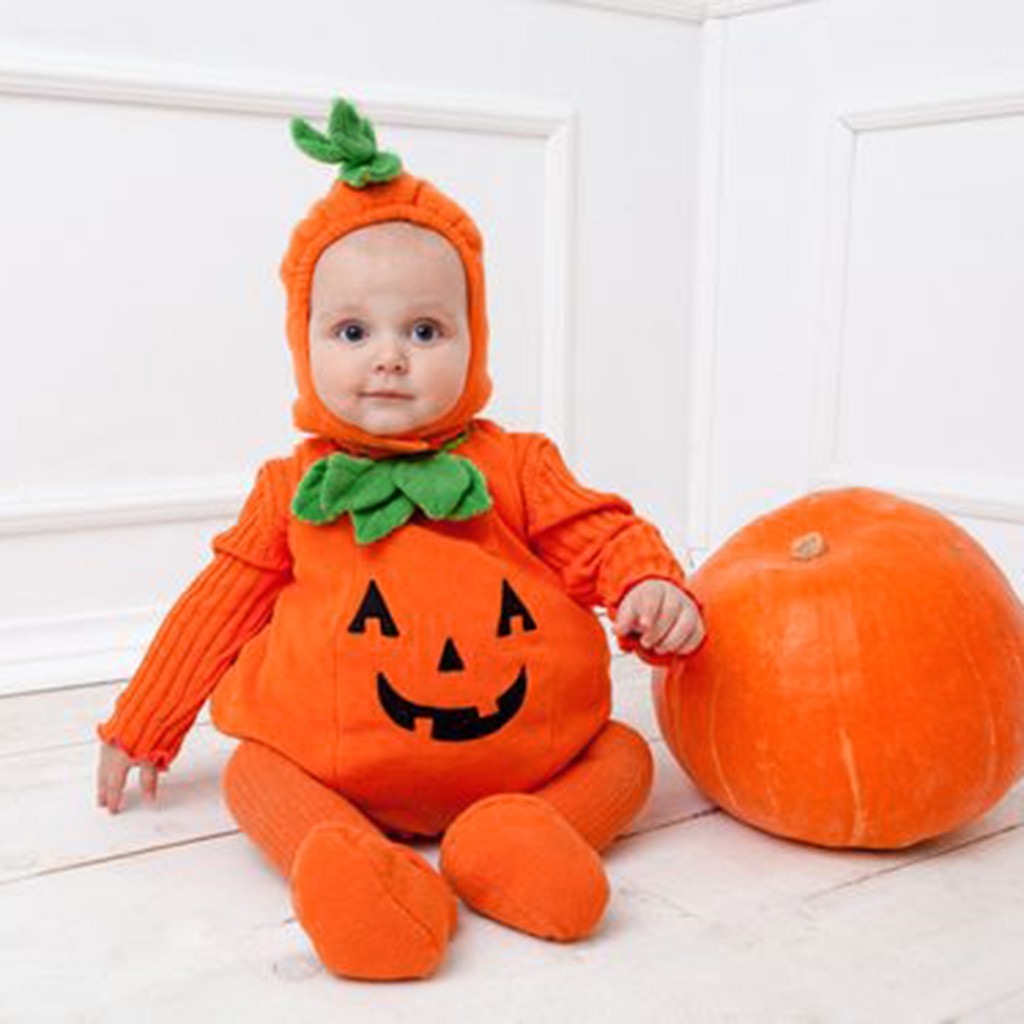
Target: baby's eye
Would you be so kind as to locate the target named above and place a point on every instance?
(349, 332)
(424, 330)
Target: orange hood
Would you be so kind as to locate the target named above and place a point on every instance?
(345, 209)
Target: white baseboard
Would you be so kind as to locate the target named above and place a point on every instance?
(70, 650)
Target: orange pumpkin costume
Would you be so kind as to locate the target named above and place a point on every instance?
(448, 679)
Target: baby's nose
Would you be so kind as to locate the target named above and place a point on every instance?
(391, 358)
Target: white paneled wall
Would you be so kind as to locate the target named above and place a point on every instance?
(737, 250)
(150, 185)
(861, 315)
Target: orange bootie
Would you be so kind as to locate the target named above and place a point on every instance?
(514, 858)
(374, 909)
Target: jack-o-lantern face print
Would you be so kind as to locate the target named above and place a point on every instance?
(452, 724)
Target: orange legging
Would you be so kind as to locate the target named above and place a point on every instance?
(376, 909)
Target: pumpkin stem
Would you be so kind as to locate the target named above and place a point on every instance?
(351, 142)
(808, 546)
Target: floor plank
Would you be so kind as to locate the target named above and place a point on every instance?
(51, 821)
(53, 718)
(206, 930)
(166, 908)
(1005, 1008)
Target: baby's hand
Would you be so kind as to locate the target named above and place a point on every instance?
(667, 620)
(113, 773)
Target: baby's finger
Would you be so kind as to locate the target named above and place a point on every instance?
(695, 639)
(660, 629)
(101, 785)
(652, 624)
(648, 606)
(148, 776)
(676, 637)
(116, 775)
(627, 616)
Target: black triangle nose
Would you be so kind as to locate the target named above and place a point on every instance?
(450, 660)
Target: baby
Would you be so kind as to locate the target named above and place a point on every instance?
(398, 628)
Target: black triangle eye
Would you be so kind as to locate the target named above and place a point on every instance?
(512, 607)
(373, 607)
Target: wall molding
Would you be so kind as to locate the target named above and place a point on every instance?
(708, 274)
(71, 650)
(675, 10)
(989, 497)
(180, 500)
(976, 497)
(184, 88)
(932, 111)
(733, 8)
(694, 11)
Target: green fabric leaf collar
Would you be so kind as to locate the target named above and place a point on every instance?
(350, 141)
(382, 494)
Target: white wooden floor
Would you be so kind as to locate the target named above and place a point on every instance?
(166, 913)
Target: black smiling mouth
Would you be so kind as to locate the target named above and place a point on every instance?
(453, 724)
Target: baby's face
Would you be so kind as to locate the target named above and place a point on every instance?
(388, 327)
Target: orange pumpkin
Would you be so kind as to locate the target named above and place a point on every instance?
(862, 684)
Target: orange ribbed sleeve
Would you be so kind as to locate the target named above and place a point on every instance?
(595, 541)
(227, 604)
